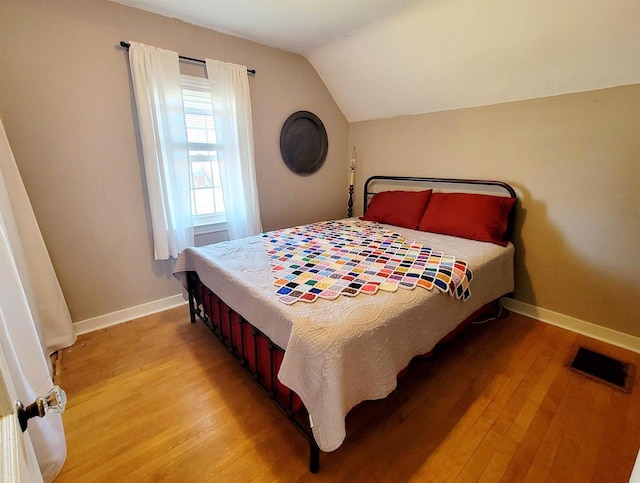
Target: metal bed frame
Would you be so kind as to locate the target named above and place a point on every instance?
(261, 357)
(249, 346)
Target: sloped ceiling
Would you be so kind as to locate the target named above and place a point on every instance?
(386, 58)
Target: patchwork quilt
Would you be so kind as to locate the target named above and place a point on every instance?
(350, 257)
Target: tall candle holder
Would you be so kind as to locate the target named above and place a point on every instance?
(352, 175)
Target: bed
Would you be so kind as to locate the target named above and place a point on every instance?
(318, 359)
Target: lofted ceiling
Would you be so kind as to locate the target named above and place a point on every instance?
(386, 58)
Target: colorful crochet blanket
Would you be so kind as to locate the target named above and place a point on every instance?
(333, 258)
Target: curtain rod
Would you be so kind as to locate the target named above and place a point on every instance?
(190, 59)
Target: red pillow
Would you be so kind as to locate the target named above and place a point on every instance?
(398, 208)
(474, 216)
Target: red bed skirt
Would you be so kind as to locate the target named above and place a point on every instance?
(262, 358)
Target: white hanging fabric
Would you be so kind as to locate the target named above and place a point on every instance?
(49, 308)
(234, 135)
(33, 313)
(155, 74)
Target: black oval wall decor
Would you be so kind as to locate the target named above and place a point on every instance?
(303, 142)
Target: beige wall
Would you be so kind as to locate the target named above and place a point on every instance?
(575, 160)
(66, 104)
(65, 101)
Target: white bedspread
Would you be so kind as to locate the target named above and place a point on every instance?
(342, 352)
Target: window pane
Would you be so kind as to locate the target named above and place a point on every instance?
(203, 201)
(200, 128)
(201, 175)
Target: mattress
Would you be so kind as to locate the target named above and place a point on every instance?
(341, 352)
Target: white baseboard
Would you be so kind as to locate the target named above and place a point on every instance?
(594, 331)
(120, 316)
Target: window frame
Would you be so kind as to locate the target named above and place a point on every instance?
(211, 222)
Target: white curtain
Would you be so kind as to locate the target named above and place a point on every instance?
(234, 136)
(34, 319)
(155, 74)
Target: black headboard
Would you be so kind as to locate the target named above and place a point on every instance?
(498, 188)
(375, 184)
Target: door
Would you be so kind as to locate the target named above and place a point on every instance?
(17, 458)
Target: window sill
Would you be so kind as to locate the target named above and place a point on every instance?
(210, 228)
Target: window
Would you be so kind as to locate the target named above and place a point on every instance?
(173, 190)
(207, 203)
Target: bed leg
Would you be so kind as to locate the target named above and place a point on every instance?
(192, 311)
(314, 456)
(192, 304)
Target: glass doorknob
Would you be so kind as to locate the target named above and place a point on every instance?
(55, 401)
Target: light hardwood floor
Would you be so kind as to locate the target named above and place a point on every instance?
(160, 399)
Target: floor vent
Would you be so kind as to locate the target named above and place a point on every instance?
(605, 369)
